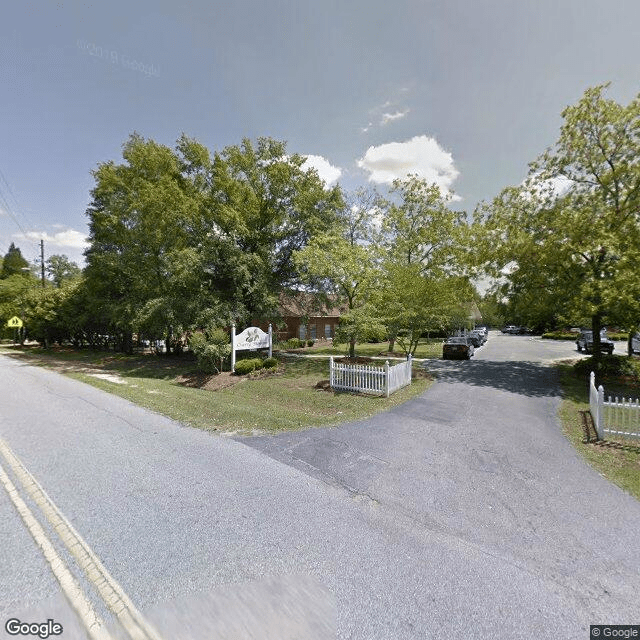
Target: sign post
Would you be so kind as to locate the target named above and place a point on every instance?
(250, 338)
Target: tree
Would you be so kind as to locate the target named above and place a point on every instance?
(279, 206)
(177, 236)
(576, 249)
(14, 264)
(330, 263)
(424, 253)
(60, 269)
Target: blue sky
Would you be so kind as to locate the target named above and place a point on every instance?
(466, 93)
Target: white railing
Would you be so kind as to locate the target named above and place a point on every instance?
(614, 417)
(367, 379)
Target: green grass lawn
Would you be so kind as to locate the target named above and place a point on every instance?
(619, 461)
(286, 400)
(431, 348)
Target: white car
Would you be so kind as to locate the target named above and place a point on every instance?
(635, 343)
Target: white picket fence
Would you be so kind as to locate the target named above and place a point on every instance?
(367, 379)
(615, 417)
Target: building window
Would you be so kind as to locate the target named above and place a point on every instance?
(302, 332)
(327, 331)
(313, 331)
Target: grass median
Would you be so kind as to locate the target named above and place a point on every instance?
(267, 403)
(618, 461)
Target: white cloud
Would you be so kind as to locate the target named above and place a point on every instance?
(421, 155)
(325, 169)
(390, 117)
(69, 238)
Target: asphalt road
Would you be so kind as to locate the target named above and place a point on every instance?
(463, 513)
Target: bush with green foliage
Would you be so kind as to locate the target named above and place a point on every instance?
(559, 335)
(243, 367)
(211, 349)
(293, 343)
(310, 343)
(270, 363)
(608, 366)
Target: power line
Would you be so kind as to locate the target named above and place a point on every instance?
(15, 207)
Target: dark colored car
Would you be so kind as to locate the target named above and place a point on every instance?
(635, 343)
(477, 338)
(511, 329)
(585, 342)
(457, 347)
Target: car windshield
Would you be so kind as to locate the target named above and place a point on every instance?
(589, 334)
(457, 340)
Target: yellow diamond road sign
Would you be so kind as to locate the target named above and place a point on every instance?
(14, 323)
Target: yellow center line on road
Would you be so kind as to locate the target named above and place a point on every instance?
(111, 592)
(77, 599)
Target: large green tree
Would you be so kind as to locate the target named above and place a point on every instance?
(60, 269)
(182, 239)
(424, 258)
(14, 263)
(569, 239)
(349, 272)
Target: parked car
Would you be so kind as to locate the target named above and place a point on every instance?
(457, 347)
(477, 338)
(585, 342)
(635, 343)
(510, 328)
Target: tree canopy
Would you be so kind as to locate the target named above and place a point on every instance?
(181, 239)
(567, 242)
(14, 263)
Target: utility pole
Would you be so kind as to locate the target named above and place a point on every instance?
(42, 261)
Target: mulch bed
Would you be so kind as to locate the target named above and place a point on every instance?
(209, 382)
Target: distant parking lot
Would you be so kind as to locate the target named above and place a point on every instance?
(501, 347)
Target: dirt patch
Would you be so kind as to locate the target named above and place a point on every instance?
(219, 381)
(109, 377)
(209, 382)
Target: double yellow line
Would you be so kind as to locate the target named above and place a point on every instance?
(110, 591)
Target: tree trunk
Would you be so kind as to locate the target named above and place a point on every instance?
(352, 348)
(596, 327)
(632, 331)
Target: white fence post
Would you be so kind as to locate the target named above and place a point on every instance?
(600, 412)
(331, 377)
(233, 348)
(386, 378)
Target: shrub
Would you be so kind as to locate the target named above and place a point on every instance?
(210, 351)
(293, 343)
(310, 343)
(559, 335)
(618, 335)
(270, 363)
(243, 367)
(608, 366)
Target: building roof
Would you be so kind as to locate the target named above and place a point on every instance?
(304, 303)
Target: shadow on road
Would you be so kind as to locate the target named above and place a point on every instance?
(515, 376)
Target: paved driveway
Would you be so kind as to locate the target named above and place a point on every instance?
(480, 458)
